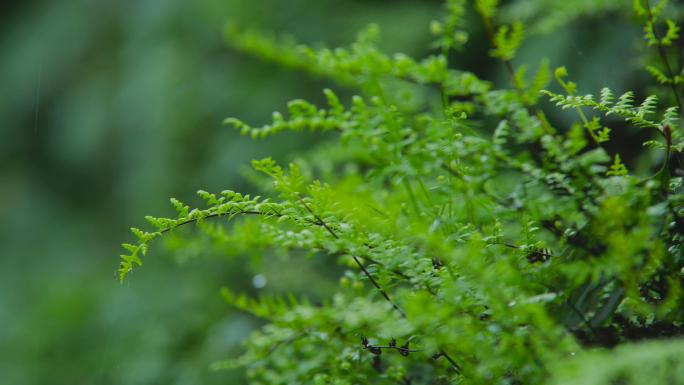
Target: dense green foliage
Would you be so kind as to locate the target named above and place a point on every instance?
(482, 242)
(109, 108)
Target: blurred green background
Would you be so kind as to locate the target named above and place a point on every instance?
(110, 107)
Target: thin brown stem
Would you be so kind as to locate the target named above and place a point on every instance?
(215, 215)
(368, 275)
(356, 259)
(320, 222)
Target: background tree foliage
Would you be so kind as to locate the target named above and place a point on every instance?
(463, 229)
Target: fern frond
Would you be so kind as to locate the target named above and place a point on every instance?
(487, 8)
(624, 107)
(607, 97)
(229, 205)
(443, 215)
(648, 106)
(302, 115)
(659, 75)
(362, 63)
(617, 168)
(449, 31)
(507, 40)
(671, 33)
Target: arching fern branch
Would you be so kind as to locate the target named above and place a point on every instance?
(624, 107)
(229, 204)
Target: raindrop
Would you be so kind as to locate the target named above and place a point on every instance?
(259, 281)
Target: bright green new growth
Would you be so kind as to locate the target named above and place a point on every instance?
(483, 244)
